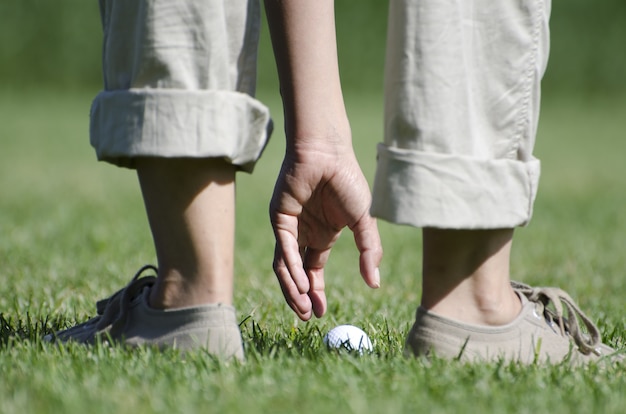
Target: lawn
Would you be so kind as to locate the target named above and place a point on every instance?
(73, 230)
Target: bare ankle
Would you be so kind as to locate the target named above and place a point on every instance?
(476, 310)
(466, 275)
(173, 291)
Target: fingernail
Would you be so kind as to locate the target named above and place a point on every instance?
(377, 278)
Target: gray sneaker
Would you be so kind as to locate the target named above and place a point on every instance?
(126, 317)
(540, 334)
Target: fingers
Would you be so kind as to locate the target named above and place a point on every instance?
(317, 294)
(368, 242)
(300, 271)
(299, 302)
(289, 270)
(314, 262)
(301, 280)
(289, 251)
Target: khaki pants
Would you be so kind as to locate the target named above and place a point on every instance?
(179, 81)
(461, 102)
(461, 110)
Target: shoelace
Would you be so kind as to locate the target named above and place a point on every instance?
(112, 310)
(568, 325)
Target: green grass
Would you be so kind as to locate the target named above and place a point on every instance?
(73, 230)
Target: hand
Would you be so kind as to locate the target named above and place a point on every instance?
(320, 190)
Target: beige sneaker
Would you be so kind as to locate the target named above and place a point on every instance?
(126, 317)
(539, 334)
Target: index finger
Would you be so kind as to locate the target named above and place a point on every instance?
(289, 269)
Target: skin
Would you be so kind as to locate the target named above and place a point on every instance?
(190, 203)
(465, 275)
(321, 189)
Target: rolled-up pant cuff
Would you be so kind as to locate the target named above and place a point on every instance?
(453, 191)
(126, 124)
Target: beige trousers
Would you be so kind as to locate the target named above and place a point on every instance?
(179, 81)
(461, 103)
(461, 109)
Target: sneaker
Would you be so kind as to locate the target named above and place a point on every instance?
(540, 334)
(127, 318)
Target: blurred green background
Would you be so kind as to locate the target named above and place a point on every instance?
(53, 44)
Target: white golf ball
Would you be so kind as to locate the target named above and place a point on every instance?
(348, 337)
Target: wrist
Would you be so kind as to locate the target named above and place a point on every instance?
(324, 136)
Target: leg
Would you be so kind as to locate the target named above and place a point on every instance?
(466, 275)
(461, 115)
(462, 102)
(178, 106)
(191, 209)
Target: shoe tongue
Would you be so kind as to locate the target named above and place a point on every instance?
(141, 294)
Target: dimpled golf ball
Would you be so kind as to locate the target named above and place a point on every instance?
(348, 337)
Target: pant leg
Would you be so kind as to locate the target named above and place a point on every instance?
(462, 89)
(179, 81)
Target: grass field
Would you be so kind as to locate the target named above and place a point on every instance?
(73, 231)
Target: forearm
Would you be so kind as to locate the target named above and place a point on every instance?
(304, 41)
